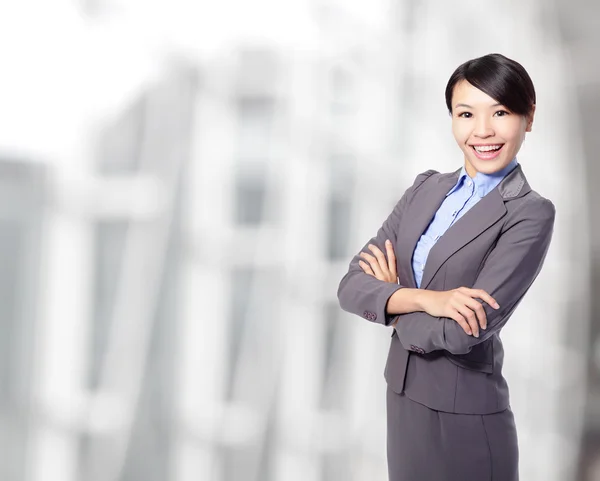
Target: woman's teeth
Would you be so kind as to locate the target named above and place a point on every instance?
(486, 148)
(487, 152)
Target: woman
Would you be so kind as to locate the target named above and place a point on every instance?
(447, 269)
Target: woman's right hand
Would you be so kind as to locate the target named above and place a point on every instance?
(459, 304)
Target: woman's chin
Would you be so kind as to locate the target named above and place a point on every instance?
(488, 166)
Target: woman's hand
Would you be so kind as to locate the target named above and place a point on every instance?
(378, 266)
(459, 304)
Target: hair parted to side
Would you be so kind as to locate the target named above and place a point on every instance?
(502, 78)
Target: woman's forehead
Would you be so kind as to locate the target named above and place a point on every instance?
(469, 96)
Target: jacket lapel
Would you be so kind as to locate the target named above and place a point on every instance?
(477, 219)
(415, 220)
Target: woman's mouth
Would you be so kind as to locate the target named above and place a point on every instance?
(487, 152)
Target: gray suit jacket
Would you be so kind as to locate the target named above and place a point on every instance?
(499, 246)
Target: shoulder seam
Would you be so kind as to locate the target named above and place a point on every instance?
(516, 215)
(423, 176)
(420, 180)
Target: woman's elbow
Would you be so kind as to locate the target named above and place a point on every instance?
(457, 341)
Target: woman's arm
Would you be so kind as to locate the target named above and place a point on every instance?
(507, 274)
(405, 301)
(362, 294)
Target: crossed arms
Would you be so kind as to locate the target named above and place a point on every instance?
(507, 274)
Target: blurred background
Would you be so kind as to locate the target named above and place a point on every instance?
(183, 185)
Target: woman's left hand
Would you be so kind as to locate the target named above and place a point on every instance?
(378, 266)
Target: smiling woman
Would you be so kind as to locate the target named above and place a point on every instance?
(448, 408)
(492, 104)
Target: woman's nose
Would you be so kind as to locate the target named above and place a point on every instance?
(483, 128)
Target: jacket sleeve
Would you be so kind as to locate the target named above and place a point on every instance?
(507, 274)
(362, 294)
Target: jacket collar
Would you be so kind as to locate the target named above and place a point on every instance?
(484, 183)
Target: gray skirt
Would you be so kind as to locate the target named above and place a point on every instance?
(428, 445)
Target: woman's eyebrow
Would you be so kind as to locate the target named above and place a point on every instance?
(469, 107)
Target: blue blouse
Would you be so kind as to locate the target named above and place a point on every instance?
(464, 195)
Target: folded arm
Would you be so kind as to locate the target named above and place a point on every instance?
(507, 274)
(362, 294)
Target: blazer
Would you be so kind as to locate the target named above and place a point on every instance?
(499, 246)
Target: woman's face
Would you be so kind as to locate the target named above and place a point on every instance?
(478, 119)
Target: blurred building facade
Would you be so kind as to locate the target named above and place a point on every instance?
(169, 285)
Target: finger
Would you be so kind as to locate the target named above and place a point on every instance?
(381, 260)
(479, 311)
(366, 267)
(391, 259)
(487, 298)
(481, 294)
(470, 317)
(374, 265)
(458, 317)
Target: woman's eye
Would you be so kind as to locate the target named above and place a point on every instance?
(468, 115)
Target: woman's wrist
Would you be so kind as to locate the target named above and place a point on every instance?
(422, 298)
(407, 300)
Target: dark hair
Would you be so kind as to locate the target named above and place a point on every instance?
(503, 79)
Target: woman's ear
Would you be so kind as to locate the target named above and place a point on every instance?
(530, 119)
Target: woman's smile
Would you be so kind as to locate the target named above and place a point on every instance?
(487, 151)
